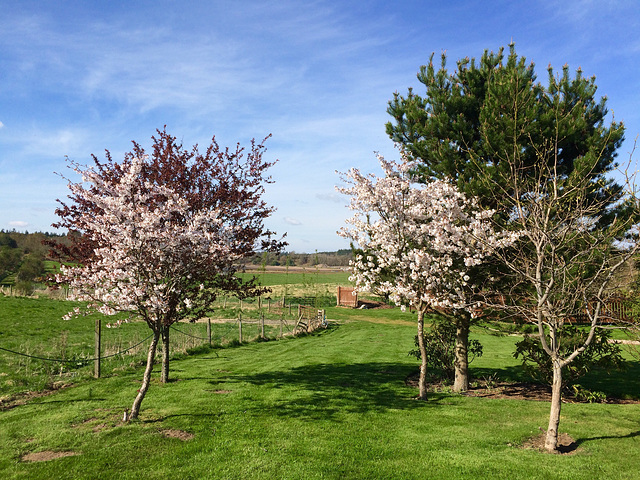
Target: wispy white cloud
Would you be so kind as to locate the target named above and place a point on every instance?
(291, 221)
(18, 224)
(79, 77)
(331, 197)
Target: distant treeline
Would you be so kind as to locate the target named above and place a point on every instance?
(22, 257)
(339, 258)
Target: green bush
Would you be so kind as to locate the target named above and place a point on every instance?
(600, 353)
(440, 342)
(581, 394)
(24, 287)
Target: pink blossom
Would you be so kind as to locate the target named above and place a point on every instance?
(149, 246)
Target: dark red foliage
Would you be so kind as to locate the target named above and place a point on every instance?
(229, 180)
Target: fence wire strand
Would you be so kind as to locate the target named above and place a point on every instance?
(84, 360)
(220, 337)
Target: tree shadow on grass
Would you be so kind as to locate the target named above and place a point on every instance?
(607, 437)
(330, 390)
(616, 383)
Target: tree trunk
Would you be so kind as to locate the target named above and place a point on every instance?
(164, 378)
(422, 383)
(461, 362)
(551, 442)
(135, 409)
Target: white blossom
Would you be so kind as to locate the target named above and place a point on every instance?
(420, 240)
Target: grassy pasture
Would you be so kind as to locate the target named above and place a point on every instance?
(297, 285)
(298, 276)
(34, 327)
(329, 405)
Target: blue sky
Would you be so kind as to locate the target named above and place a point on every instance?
(79, 77)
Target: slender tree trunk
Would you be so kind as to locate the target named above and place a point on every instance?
(164, 378)
(422, 383)
(551, 442)
(461, 362)
(135, 409)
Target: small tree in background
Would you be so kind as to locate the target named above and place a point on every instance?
(159, 235)
(421, 243)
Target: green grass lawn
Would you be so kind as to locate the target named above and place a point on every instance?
(331, 405)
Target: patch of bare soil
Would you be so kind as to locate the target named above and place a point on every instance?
(95, 424)
(104, 419)
(566, 444)
(12, 401)
(530, 391)
(517, 391)
(46, 456)
(179, 434)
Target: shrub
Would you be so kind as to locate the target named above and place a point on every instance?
(440, 342)
(581, 394)
(600, 353)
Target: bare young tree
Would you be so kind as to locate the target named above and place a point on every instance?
(576, 229)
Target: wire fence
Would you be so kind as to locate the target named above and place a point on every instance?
(38, 366)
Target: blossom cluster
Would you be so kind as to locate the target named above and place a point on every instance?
(419, 240)
(152, 250)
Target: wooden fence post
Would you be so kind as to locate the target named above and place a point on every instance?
(240, 327)
(97, 333)
(209, 330)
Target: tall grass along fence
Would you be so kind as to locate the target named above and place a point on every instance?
(29, 362)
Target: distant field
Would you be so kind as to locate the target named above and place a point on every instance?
(298, 276)
(310, 286)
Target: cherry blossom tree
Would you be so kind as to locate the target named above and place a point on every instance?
(159, 236)
(421, 242)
